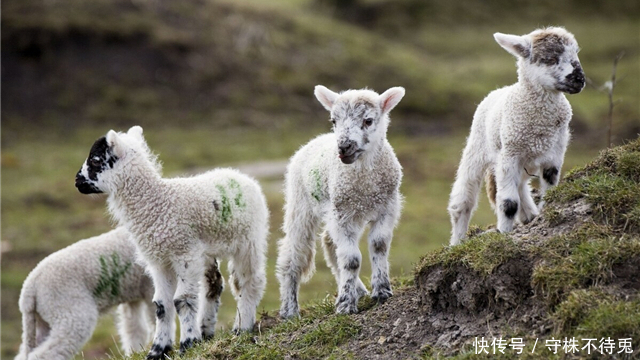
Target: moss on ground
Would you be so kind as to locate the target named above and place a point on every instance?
(610, 185)
(580, 259)
(319, 332)
(481, 253)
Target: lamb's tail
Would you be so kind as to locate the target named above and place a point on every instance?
(490, 186)
(28, 309)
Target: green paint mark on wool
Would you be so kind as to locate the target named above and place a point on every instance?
(317, 190)
(111, 272)
(227, 201)
(225, 211)
(239, 199)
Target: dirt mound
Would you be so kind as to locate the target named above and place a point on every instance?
(550, 278)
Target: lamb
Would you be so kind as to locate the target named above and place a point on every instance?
(346, 179)
(64, 295)
(519, 131)
(180, 227)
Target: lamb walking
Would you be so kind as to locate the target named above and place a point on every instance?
(345, 180)
(64, 295)
(519, 131)
(180, 227)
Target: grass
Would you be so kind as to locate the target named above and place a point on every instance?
(481, 253)
(281, 50)
(321, 333)
(580, 259)
(609, 184)
(233, 104)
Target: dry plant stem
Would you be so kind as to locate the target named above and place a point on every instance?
(610, 93)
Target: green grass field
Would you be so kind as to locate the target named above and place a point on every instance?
(234, 104)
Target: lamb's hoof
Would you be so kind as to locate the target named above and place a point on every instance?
(207, 337)
(288, 314)
(346, 305)
(525, 221)
(157, 352)
(362, 290)
(382, 293)
(185, 345)
(237, 331)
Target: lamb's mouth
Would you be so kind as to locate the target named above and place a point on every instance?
(570, 88)
(85, 187)
(351, 158)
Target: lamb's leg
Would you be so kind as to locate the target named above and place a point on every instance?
(332, 260)
(247, 282)
(296, 256)
(380, 237)
(133, 326)
(528, 210)
(551, 166)
(463, 200)
(508, 178)
(349, 260)
(164, 283)
(189, 271)
(69, 333)
(210, 300)
(550, 178)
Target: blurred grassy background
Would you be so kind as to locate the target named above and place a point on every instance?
(218, 83)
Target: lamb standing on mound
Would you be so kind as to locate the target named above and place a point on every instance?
(64, 295)
(519, 131)
(180, 226)
(346, 179)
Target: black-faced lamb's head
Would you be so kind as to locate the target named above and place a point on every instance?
(96, 174)
(360, 118)
(548, 57)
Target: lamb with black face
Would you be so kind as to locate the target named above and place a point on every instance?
(100, 159)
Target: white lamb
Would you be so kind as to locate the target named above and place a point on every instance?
(180, 226)
(519, 131)
(64, 295)
(346, 180)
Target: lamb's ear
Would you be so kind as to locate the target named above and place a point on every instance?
(136, 131)
(325, 96)
(390, 98)
(516, 45)
(115, 143)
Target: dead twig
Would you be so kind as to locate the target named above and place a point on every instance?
(609, 87)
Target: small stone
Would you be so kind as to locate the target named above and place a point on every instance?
(382, 340)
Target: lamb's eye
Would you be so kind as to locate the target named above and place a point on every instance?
(368, 121)
(94, 162)
(333, 121)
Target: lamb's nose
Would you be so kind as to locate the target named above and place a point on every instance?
(346, 147)
(79, 179)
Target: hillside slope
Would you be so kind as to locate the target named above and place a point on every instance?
(249, 63)
(571, 273)
(122, 61)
